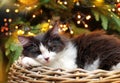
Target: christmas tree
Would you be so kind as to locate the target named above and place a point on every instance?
(30, 17)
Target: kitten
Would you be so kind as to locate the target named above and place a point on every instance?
(87, 51)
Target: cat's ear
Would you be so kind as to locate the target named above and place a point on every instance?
(23, 40)
(55, 29)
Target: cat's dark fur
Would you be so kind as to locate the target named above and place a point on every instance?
(98, 45)
(87, 48)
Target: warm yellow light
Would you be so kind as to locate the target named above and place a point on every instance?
(65, 28)
(60, 2)
(31, 34)
(7, 10)
(88, 17)
(78, 22)
(78, 3)
(64, 25)
(28, 2)
(113, 9)
(100, 1)
(48, 20)
(118, 9)
(44, 27)
(10, 20)
(50, 26)
(93, 6)
(16, 10)
(28, 8)
(59, 30)
(33, 16)
(16, 27)
(78, 16)
(18, 5)
(5, 19)
(35, 6)
(118, 1)
(111, 15)
(61, 25)
(86, 26)
(109, 10)
(20, 32)
(65, 2)
(71, 32)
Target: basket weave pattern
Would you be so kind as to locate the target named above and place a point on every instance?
(43, 74)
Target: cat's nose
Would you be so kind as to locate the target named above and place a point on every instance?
(47, 58)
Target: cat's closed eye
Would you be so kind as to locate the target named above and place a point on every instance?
(34, 48)
(54, 48)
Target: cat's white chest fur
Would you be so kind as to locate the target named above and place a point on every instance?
(65, 59)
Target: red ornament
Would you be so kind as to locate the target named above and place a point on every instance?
(118, 5)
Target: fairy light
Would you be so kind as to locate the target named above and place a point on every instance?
(86, 26)
(79, 16)
(78, 3)
(111, 15)
(113, 9)
(118, 17)
(64, 28)
(118, 1)
(33, 16)
(93, 6)
(61, 25)
(71, 32)
(64, 25)
(49, 20)
(109, 10)
(28, 8)
(16, 10)
(78, 22)
(31, 34)
(5, 19)
(7, 10)
(118, 9)
(35, 6)
(10, 20)
(60, 2)
(16, 4)
(20, 32)
(50, 26)
(65, 2)
(88, 17)
(59, 30)
(16, 27)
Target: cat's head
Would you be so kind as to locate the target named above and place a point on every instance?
(45, 48)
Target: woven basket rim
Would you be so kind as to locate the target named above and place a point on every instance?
(44, 74)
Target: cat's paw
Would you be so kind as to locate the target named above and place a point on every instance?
(27, 62)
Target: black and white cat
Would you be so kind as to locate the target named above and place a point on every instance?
(87, 51)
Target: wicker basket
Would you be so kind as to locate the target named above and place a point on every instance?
(43, 74)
